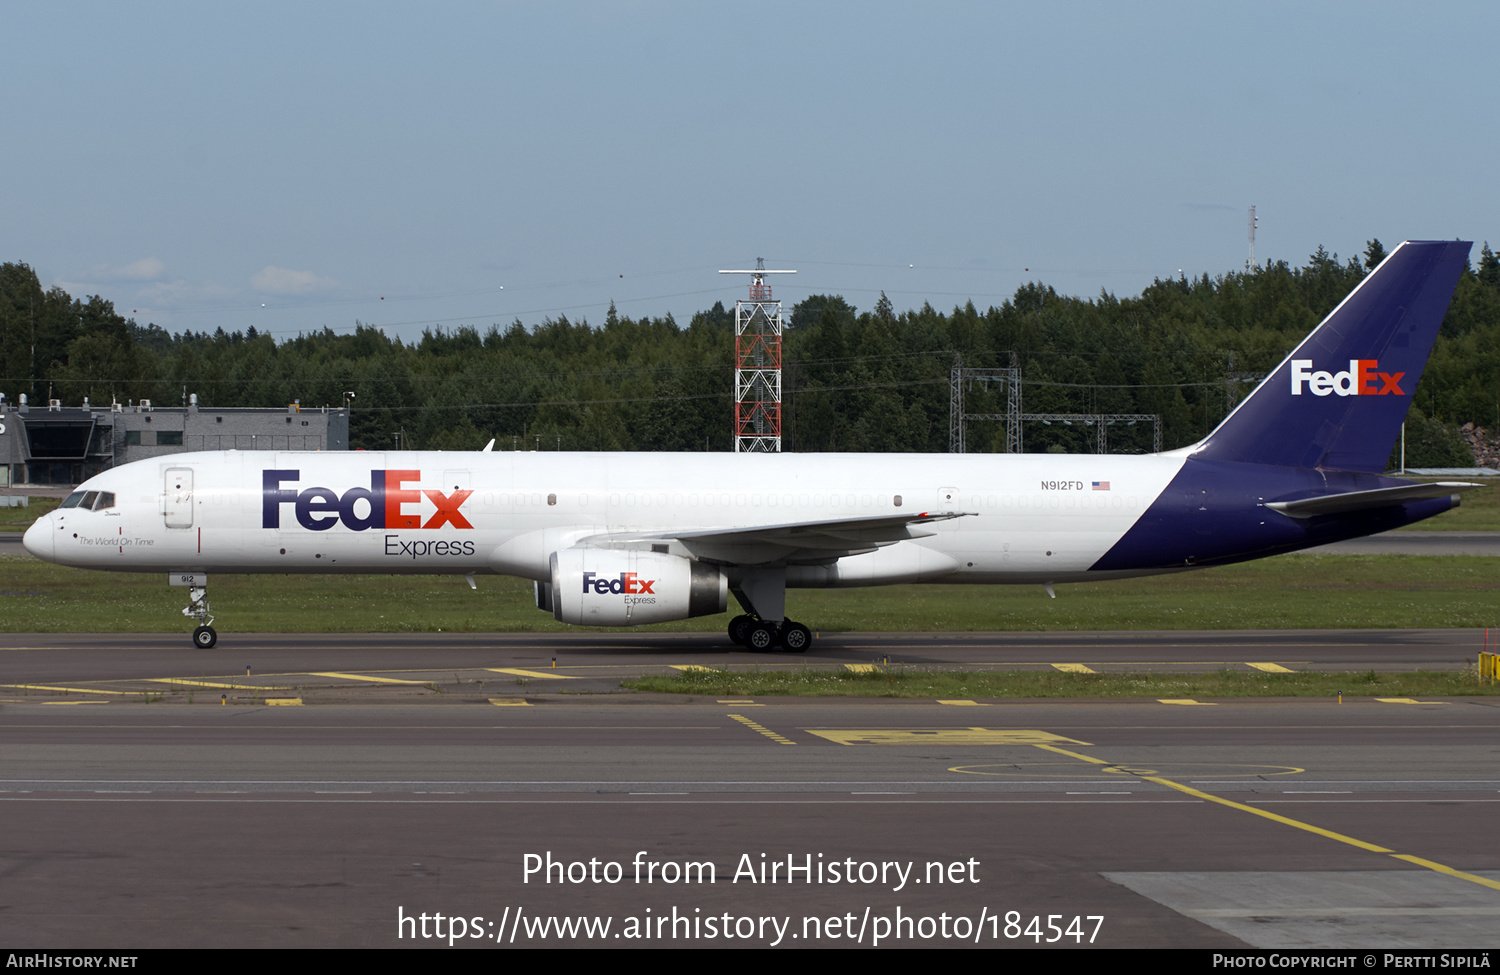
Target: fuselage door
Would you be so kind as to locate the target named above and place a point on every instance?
(178, 505)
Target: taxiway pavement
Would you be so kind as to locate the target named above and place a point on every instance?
(1277, 823)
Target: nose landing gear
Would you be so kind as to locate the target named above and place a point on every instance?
(204, 637)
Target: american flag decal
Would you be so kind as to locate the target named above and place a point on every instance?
(1101, 485)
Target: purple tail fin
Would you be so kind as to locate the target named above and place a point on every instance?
(1339, 399)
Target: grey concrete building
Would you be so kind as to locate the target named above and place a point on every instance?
(64, 445)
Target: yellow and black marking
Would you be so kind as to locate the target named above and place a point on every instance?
(1270, 668)
(1075, 668)
(779, 739)
(940, 736)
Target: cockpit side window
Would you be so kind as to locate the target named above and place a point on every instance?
(71, 501)
(106, 500)
(88, 500)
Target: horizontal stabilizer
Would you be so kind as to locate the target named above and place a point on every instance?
(1338, 504)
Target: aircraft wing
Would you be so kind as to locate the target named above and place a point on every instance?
(800, 542)
(1337, 504)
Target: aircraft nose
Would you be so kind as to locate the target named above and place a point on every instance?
(38, 538)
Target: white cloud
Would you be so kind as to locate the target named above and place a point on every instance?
(167, 293)
(280, 281)
(145, 269)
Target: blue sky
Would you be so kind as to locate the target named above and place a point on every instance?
(295, 166)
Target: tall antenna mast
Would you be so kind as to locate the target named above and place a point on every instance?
(757, 365)
(1250, 261)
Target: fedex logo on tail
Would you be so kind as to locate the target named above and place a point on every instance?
(1361, 379)
(385, 500)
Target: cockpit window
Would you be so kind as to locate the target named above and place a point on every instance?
(71, 501)
(106, 500)
(89, 499)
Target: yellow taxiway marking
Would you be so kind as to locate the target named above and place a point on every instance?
(75, 702)
(1405, 700)
(1284, 820)
(746, 702)
(1270, 668)
(863, 668)
(940, 736)
(1440, 868)
(66, 690)
(780, 740)
(963, 703)
(695, 667)
(291, 702)
(208, 683)
(510, 702)
(375, 680)
(518, 672)
(1185, 700)
(1074, 669)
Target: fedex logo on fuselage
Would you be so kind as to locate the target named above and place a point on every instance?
(626, 582)
(1361, 379)
(320, 508)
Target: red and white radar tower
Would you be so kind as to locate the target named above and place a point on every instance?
(757, 365)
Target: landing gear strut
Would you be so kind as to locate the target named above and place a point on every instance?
(204, 637)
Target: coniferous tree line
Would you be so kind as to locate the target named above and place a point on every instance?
(875, 380)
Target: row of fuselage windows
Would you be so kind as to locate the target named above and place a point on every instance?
(89, 500)
(836, 502)
(662, 499)
(1098, 502)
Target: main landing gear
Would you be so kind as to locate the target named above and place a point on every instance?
(764, 626)
(763, 635)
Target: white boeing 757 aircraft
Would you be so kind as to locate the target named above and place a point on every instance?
(615, 539)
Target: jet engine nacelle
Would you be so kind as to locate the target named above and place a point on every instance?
(621, 587)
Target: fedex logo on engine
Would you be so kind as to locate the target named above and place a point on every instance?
(626, 582)
(1361, 379)
(384, 503)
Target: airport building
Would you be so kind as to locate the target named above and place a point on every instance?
(65, 445)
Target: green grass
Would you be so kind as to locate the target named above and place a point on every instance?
(20, 519)
(1479, 511)
(951, 685)
(1286, 592)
